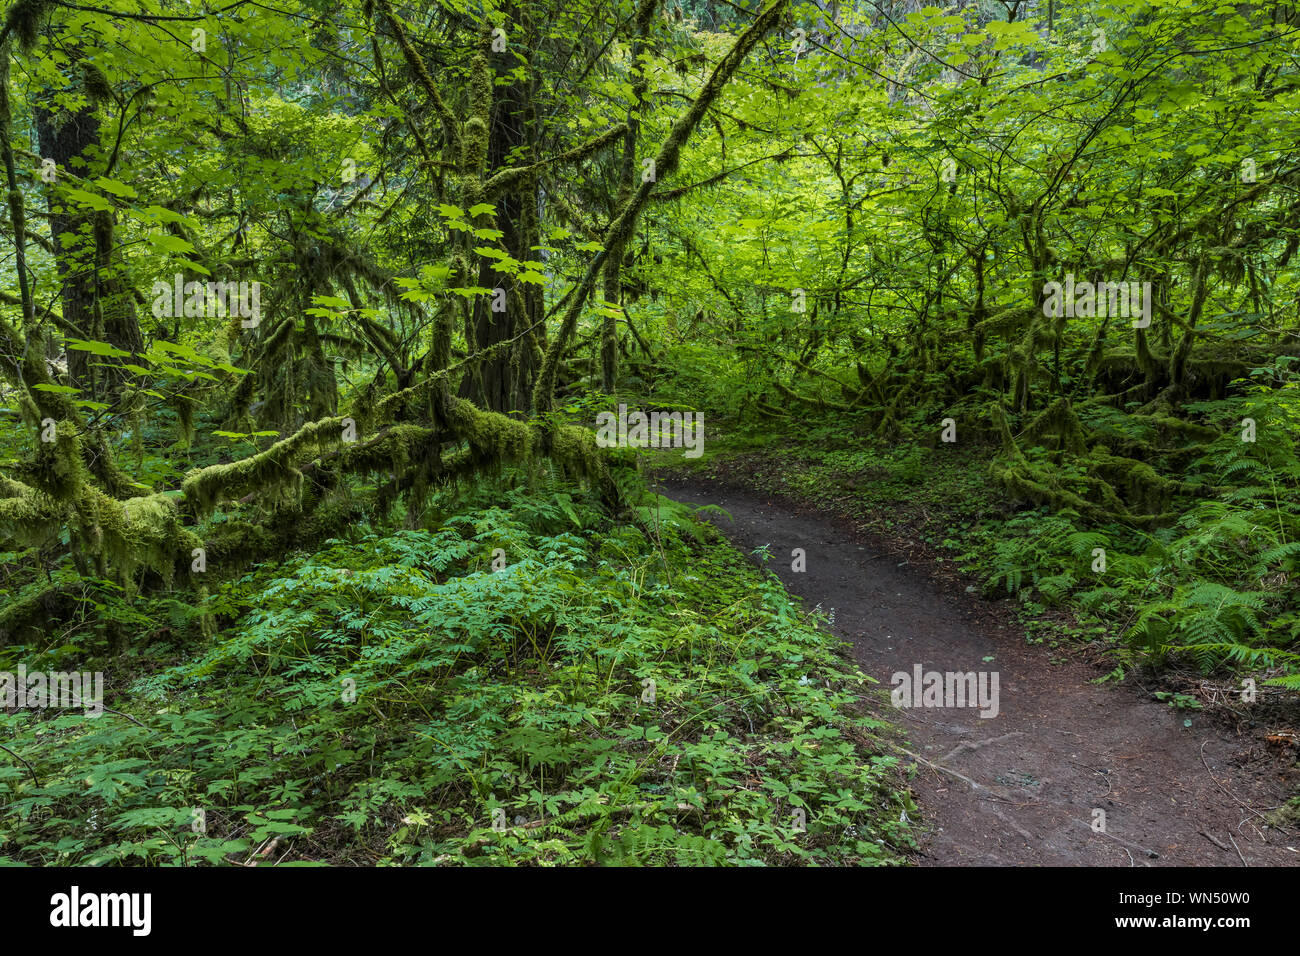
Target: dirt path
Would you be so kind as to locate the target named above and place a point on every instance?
(1059, 748)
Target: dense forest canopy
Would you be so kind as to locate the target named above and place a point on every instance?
(279, 276)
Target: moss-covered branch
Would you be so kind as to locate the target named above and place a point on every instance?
(665, 163)
(274, 468)
(416, 62)
(504, 179)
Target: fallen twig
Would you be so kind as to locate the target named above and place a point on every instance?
(1221, 846)
(1238, 849)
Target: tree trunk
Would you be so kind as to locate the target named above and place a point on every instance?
(96, 300)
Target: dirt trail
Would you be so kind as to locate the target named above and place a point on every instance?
(1060, 747)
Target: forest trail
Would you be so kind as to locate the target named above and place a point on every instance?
(1020, 788)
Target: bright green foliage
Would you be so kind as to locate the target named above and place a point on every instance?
(830, 228)
(520, 690)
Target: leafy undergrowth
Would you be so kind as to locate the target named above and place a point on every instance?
(609, 693)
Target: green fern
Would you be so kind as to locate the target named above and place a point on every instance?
(1286, 553)
(1209, 622)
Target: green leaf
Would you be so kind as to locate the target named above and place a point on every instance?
(83, 198)
(114, 187)
(96, 348)
(167, 243)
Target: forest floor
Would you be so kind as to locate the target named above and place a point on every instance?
(1020, 788)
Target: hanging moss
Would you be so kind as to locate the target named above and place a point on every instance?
(27, 517)
(235, 543)
(493, 437)
(24, 19)
(1024, 484)
(1177, 425)
(888, 426)
(101, 463)
(27, 619)
(57, 468)
(505, 178)
(416, 63)
(410, 452)
(395, 450)
(279, 336)
(124, 536)
(819, 403)
(576, 452)
(270, 469)
(1059, 419)
(1141, 486)
(404, 405)
(1009, 448)
(1118, 489)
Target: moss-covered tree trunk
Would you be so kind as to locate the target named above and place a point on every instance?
(626, 173)
(96, 300)
(505, 378)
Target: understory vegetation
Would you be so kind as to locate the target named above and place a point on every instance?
(620, 692)
(308, 313)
